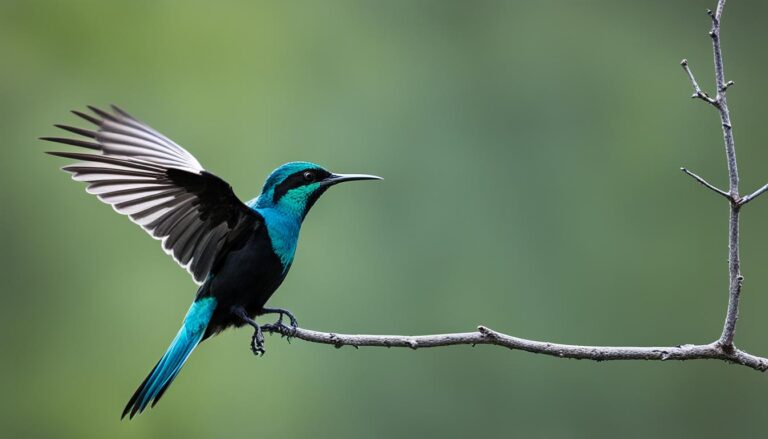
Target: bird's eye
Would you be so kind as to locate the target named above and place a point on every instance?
(309, 176)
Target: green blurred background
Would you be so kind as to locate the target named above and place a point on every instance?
(531, 154)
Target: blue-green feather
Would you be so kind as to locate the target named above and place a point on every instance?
(283, 218)
(188, 337)
(275, 178)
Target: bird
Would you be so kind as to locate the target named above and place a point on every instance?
(238, 253)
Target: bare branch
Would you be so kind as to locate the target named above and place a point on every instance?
(734, 271)
(485, 335)
(697, 92)
(706, 184)
(721, 104)
(753, 195)
(715, 19)
(723, 349)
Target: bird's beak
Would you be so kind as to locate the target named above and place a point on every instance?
(339, 178)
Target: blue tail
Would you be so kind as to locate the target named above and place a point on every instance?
(168, 367)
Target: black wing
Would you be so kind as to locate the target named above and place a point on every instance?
(160, 186)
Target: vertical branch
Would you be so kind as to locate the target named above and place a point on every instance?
(720, 102)
(734, 271)
(734, 281)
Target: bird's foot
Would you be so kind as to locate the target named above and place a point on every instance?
(282, 313)
(257, 342)
(281, 328)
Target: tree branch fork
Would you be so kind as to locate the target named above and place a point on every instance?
(718, 103)
(733, 199)
(722, 349)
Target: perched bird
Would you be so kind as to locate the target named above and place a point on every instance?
(238, 253)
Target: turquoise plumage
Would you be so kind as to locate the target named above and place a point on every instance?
(164, 372)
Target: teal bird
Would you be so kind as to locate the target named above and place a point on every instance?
(238, 253)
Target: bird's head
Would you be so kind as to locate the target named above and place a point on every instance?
(294, 187)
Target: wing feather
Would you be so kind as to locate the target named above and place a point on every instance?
(159, 186)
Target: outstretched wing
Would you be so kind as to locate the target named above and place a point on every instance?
(160, 186)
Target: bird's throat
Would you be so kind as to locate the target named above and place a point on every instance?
(283, 229)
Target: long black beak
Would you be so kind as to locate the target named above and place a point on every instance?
(339, 178)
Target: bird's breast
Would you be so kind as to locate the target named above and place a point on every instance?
(283, 231)
(247, 277)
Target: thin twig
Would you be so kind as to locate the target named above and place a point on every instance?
(485, 335)
(753, 195)
(697, 92)
(706, 184)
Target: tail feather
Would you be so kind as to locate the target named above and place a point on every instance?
(189, 336)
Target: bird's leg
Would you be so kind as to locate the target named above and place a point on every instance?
(282, 312)
(257, 341)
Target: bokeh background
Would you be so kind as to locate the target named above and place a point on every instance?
(531, 154)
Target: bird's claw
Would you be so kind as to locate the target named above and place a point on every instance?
(294, 322)
(281, 314)
(257, 343)
(285, 331)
